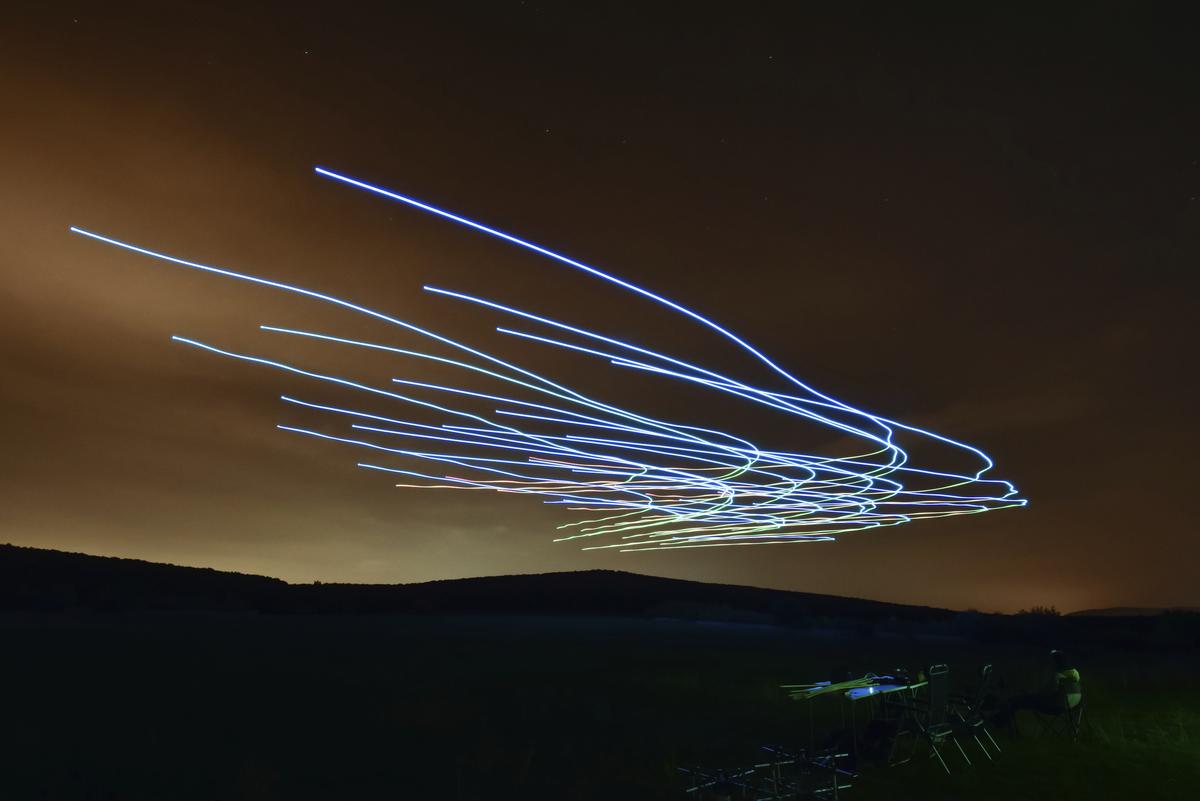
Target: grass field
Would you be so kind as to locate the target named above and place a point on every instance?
(242, 706)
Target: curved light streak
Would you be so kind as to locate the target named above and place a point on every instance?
(655, 484)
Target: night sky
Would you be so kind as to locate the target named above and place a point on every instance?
(985, 225)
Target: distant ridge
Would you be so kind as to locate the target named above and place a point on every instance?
(41, 579)
(1133, 611)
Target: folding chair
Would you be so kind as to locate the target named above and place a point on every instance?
(967, 710)
(931, 720)
(1068, 723)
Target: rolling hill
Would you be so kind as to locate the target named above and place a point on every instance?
(38, 579)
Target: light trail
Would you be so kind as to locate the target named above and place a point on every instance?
(657, 484)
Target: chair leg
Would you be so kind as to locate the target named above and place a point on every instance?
(958, 745)
(934, 749)
(1079, 722)
(982, 747)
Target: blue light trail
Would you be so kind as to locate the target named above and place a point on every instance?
(655, 484)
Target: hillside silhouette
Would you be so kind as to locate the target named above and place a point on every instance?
(34, 579)
(41, 580)
(1136, 611)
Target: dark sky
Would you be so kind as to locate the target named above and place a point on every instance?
(987, 225)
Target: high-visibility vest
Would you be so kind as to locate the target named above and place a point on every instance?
(1070, 685)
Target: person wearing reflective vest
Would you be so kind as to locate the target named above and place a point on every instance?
(1063, 692)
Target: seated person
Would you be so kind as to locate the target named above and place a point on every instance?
(1062, 693)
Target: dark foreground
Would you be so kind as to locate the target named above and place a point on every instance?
(237, 705)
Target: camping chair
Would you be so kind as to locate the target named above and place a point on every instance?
(931, 720)
(967, 710)
(1069, 723)
(803, 774)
